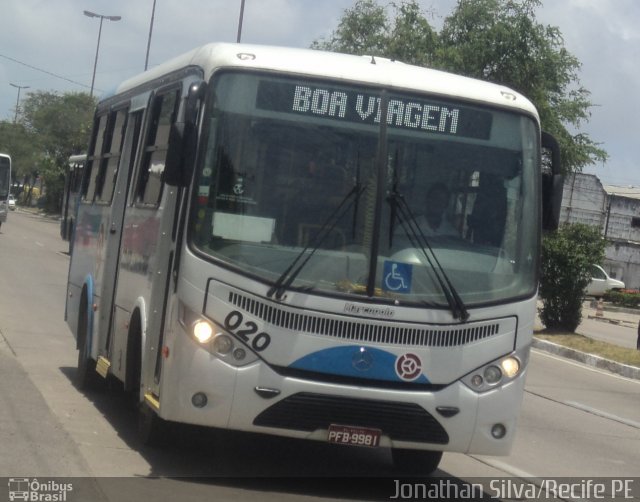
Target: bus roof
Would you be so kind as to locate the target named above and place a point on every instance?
(362, 69)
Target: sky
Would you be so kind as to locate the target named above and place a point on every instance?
(51, 45)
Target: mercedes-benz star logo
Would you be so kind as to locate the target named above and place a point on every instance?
(362, 360)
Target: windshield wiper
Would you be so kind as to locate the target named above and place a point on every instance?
(419, 240)
(288, 276)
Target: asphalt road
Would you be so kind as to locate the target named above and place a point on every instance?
(575, 421)
(613, 327)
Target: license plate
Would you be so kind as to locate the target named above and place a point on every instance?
(354, 436)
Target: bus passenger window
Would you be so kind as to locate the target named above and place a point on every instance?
(111, 158)
(163, 114)
(93, 159)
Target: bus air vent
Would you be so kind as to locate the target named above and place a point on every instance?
(364, 331)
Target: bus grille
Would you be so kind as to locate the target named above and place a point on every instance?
(308, 412)
(363, 331)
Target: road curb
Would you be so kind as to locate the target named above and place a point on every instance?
(589, 359)
(37, 212)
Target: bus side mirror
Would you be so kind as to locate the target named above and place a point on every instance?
(552, 182)
(183, 138)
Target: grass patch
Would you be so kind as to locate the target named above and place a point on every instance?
(622, 355)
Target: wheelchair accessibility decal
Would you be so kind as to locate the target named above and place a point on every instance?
(397, 277)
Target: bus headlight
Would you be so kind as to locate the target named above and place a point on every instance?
(215, 339)
(203, 331)
(498, 372)
(492, 375)
(510, 366)
(223, 344)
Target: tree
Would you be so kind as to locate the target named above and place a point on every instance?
(51, 128)
(23, 147)
(500, 41)
(495, 40)
(567, 256)
(362, 30)
(61, 122)
(366, 29)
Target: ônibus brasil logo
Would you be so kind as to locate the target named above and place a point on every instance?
(32, 490)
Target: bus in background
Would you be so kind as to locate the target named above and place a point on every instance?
(72, 183)
(5, 186)
(255, 250)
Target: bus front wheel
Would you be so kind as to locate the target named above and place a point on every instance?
(152, 430)
(86, 376)
(415, 462)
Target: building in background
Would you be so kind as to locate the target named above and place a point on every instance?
(616, 211)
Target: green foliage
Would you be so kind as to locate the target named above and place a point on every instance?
(22, 145)
(412, 40)
(623, 298)
(500, 41)
(50, 128)
(567, 255)
(362, 30)
(367, 29)
(63, 123)
(496, 40)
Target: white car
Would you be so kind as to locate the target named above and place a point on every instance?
(12, 202)
(601, 282)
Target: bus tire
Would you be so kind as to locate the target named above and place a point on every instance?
(86, 376)
(415, 462)
(152, 430)
(133, 371)
(70, 237)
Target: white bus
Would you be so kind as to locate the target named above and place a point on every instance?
(5, 186)
(251, 250)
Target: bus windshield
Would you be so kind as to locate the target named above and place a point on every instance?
(306, 172)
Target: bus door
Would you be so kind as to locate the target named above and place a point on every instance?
(149, 235)
(115, 167)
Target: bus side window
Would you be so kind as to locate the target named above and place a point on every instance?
(163, 114)
(93, 158)
(102, 164)
(76, 176)
(111, 158)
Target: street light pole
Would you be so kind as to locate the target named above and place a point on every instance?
(240, 21)
(153, 12)
(19, 87)
(102, 18)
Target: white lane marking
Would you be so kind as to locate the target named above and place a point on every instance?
(603, 414)
(503, 466)
(39, 244)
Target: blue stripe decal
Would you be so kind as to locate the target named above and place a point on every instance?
(354, 361)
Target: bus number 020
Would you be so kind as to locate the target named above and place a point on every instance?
(246, 331)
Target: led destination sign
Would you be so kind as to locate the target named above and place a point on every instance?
(350, 105)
